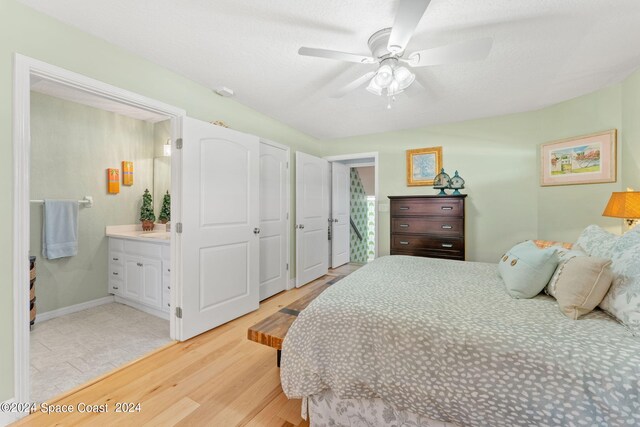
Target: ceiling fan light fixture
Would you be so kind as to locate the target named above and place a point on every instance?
(394, 88)
(404, 77)
(374, 88)
(384, 76)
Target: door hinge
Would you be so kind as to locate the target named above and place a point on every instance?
(287, 165)
(179, 312)
(179, 228)
(179, 143)
(287, 266)
(287, 215)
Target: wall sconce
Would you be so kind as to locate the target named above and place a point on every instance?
(624, 205)
(166, 148)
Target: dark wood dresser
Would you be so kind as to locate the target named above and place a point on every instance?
(429, 226)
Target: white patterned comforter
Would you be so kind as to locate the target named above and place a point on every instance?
(442, 339)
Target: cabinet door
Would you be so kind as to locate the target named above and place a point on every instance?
(132, 277)
(152, 282)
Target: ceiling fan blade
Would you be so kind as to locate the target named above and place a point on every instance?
(407, 18)
(353, 85)
(467, 51)
(334, 54)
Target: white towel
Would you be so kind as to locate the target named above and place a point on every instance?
(60, 228)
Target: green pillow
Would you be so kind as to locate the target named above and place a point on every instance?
(526, 269)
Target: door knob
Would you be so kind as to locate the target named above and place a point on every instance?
(256, 230)
(301, 226)
(335, 220)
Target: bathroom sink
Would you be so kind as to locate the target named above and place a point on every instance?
(159, 235)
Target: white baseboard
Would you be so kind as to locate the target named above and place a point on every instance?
(7, 418)
(154, 311)
(41, 317)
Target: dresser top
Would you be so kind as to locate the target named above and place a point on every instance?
(430, 196)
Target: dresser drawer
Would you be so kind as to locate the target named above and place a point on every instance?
(422, 242)
(433, 207)
(429, 225)
(454, 255)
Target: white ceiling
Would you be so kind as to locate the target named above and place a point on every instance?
(545, 51)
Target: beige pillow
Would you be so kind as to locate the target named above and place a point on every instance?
(582, 283)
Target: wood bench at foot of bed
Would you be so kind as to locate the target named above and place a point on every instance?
(272, 330)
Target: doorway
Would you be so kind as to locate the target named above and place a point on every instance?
(60, 83)
(362, 238)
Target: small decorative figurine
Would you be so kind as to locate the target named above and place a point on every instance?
(456, 183)
(441, 181)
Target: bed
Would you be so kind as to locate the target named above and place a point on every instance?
(427, 342)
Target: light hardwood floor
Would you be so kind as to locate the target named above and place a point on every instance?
(219, 378)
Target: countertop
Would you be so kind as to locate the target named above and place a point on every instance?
(134, 232)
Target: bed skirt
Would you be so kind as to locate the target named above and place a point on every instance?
(325, 409)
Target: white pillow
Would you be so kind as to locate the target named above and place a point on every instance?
(596, 242)
(623, 298)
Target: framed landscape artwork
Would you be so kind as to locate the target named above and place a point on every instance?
(588, 159)
(423, 164)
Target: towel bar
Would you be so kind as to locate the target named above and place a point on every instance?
(87, 201)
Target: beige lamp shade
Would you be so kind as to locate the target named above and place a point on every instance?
(623, 205)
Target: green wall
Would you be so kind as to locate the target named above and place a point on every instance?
(72, 145)
(499, 159)
(495, 156)
(30, 33)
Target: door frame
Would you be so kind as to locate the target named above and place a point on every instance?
(291, 281)
(24, 68)
(344, 158)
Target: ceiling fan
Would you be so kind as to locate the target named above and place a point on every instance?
(388, 51)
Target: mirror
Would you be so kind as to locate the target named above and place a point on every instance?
(161, 181)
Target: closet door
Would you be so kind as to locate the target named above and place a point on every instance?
(219, 266)
(274, 211)
(312, 219)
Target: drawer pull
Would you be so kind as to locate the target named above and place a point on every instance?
(404, 242)
(447, 227)
(404, 225)
(404, 208)
(115, 287)
(116, 259)
(114, 273)
(447, 208)
(447, 245)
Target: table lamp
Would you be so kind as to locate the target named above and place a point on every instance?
(624, 205)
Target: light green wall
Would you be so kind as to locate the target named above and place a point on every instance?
(499, 159)
(30, 33)
(631, 138)
(71, 147)
(494, 156)
(563, 211)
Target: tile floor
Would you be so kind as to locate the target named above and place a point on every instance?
(73, 349)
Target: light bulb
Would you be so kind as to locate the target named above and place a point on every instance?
(404, 77)
(374, 88)
(384, 76)
(394, 88)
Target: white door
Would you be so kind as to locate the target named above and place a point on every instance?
(340, 214)
(274, 208)
(312, 204)
(219, 242)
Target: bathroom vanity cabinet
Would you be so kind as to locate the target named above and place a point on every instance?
(140, 273)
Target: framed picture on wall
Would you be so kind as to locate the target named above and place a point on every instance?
(423, 164)
(588, 159)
